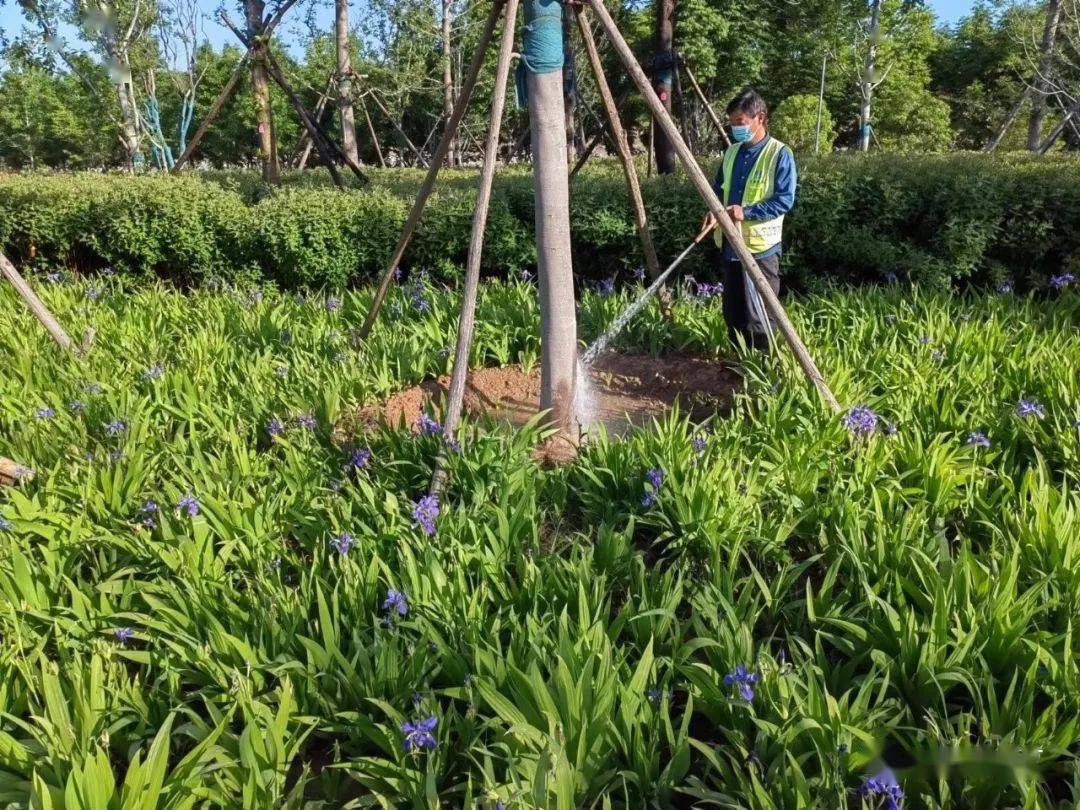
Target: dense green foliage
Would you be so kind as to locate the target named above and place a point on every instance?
(935, 220)
(908, 595)
(941, 87)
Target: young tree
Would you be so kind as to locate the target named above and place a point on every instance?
(447, 52)
(344, 82)
(255, 19)
(180, 34)
(870, 80)
(116, 29)
(1041, 81)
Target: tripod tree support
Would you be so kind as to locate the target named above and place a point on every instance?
(40, 311)
(622, 147)
(716, 207)
(467, 319)
(323, 142)
(437, 161)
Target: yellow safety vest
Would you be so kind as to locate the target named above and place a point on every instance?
(759, 236)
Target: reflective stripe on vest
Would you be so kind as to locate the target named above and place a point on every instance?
(760, 184)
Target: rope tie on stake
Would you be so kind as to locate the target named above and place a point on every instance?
(542, 41)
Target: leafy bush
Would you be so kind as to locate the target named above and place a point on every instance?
(794, 121)
(938, 220)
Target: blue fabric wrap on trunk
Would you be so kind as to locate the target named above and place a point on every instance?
(542, 50)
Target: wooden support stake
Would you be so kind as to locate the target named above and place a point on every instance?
(731, 232)
(467, 320)
(708, 107)
(305, 139)
(211, 115)
(397, 126)
(436, 164)
(622, 148)
(40, 311)
(371, 131)
(583, 159)
(313, 132)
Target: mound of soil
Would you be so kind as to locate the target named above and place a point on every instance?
(624, 390)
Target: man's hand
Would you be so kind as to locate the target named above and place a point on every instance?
(736, 213)
(709, 222)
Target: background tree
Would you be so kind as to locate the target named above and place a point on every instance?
(794, 121)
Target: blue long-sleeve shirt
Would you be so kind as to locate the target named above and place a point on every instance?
(782, 200)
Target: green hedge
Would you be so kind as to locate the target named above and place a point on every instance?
(936, 220)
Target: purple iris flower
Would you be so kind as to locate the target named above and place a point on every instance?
(1005, 287)
(282, 371)
(654, 478)
(123, 634)
(884, 784)
(890, 277)
(116, 427)
(744, 679)
(6, 525)
(419, 735)
(153, 373)
(425, 511)
(639, 273)
(1062, 281)
(861, 421)
(92, 388)
(396, 602)
(1029, 407)
(699, 444)
(977, 439)
(77, 406)
(44, 413)
(275, 427)
(342, 543)
(605, 287)
(427, 426)
(189, 504)
(360, 459)
(307, 421)
(706, 290)
(333, 303)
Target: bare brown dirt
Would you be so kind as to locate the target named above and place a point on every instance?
(626, 390)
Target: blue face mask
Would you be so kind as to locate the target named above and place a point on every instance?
(741, 133)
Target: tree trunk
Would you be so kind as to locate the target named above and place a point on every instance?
(663, 77)
(129, 122)
(260, 90)
(1040, 81)
(454, 157)
(867, 86)
(344, 83)
(558, 318)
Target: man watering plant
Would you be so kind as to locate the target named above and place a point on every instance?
(756, 183)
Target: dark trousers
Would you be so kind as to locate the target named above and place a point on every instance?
(744, 311)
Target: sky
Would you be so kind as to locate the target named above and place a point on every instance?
(292, 33)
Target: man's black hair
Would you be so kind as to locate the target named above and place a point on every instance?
(749, 102)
